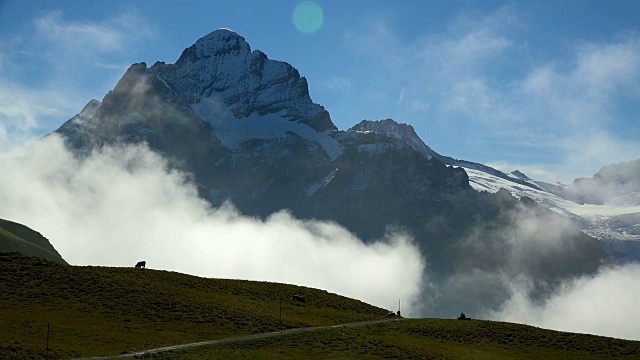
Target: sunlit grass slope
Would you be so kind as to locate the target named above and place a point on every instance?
(421, 339)
(106, 311)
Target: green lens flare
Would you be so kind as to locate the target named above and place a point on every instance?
(308, 17)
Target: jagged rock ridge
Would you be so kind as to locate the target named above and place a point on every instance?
(222, 65)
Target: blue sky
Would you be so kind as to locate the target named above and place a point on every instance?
(549, 87)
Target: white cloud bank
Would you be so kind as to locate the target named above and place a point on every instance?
(122, 205)
(605, 304)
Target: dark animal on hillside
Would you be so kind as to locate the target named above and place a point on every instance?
(141, 264)
(297, 298)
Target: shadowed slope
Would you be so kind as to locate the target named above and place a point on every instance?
(17, 237)
(107, 311)
(421, 339)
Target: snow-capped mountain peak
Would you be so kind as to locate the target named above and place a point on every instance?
(219, 42)
(221, 66)
(520, 175)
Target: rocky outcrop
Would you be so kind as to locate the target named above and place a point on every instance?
(144, 109)
(402, 132)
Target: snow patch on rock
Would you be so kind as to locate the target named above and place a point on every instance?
(314, 187)
(233, 131)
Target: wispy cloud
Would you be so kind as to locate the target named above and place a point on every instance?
(84, 38)
(449, 68)
(340, 84)
(22, 113)
(581, 101)
(583, 91)
(470, 43)
(484, 88)
(65, 53)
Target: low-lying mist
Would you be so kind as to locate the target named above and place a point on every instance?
(602, 304)
(524, 263)
(124, 204)
(121, 205)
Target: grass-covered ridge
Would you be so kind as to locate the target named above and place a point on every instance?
(107, 311)
(18, 237)
(421, 339)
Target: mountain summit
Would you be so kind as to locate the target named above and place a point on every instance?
(402, 132)
(245, 127)
(222, 67)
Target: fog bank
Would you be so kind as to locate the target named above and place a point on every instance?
(604, 304)
(122, 205)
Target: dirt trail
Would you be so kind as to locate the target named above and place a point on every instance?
(231, 339)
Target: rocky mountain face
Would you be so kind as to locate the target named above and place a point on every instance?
(142, 108)
(406, 134)
(222, 65)
(246, 128)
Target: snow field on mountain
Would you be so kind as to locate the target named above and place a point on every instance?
(233, 131)
(595, 220)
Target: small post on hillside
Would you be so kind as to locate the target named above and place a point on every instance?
(47, 350)
(280, 297)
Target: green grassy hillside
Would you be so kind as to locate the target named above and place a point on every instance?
(421, 339)
(108, 311)
(17, 237)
